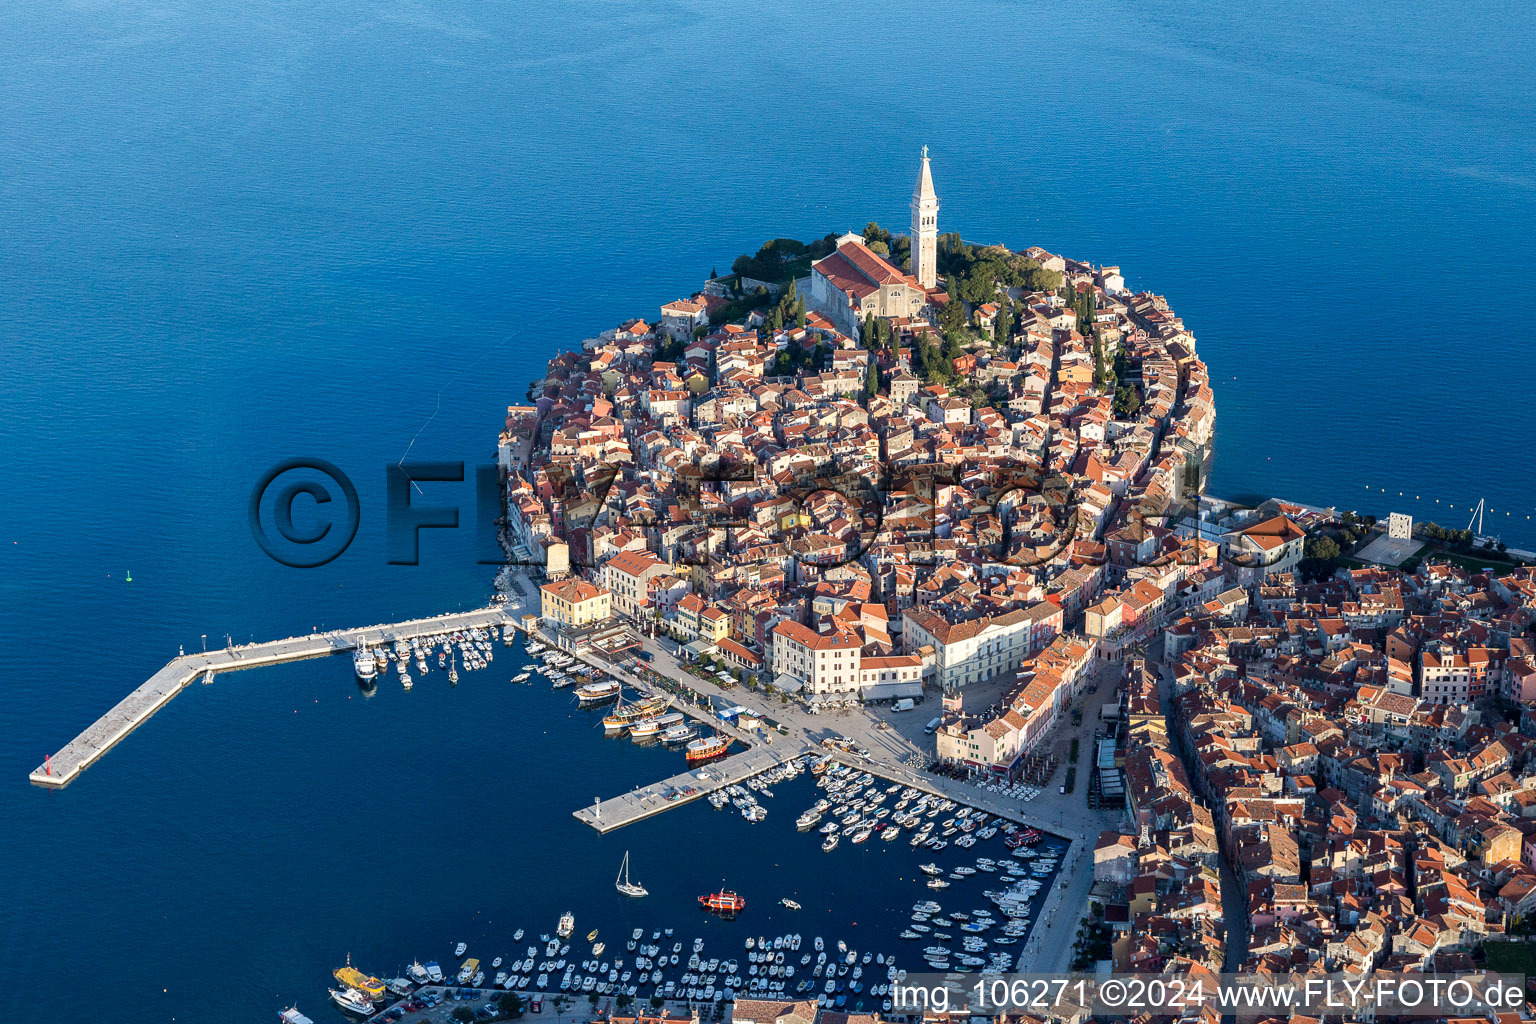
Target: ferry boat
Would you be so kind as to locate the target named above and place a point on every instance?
(352, 1001)
(352, 978)
(363, 664)
(596, 693)
(707, 747)
(468, 970)
(723, 902)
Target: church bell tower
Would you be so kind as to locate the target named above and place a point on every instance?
(925, 228)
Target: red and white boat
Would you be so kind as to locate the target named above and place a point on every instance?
(723, 902)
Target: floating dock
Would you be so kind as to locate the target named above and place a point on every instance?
(136, 708)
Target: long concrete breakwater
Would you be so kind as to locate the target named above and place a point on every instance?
(154, 693)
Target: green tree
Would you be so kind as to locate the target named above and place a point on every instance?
(871, 380)
(1002, 326)
(510, 1005)
(875, 233)
(1127, 401)
(1321, 548)
(952, 316)
(800, 313)
(462, 1014)
(868, 335)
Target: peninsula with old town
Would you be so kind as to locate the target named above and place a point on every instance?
(873, 471)
(926, 520)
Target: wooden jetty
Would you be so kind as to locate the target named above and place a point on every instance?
(136, 708)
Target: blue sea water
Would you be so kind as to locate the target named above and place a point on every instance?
(237, 233)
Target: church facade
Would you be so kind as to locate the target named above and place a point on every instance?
(855, 281)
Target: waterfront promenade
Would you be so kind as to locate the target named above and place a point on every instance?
(154, 693)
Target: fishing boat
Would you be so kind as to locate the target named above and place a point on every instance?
(596, 693)
(468, 970)
(624, 885)
(678, 734)
(723, 902)
(352, 1001)
(418, 973)
(293, 1016)
(352, 978)
(567, 925)
(591, 934)
(645, 729)
(707, 747)
(459, 949)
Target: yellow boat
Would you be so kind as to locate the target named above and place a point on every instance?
(351, 977)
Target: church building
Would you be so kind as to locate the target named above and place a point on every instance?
(854, 281)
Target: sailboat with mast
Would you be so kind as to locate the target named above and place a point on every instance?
(624, 885)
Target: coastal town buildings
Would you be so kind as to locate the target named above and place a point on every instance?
(918, 484)
(856, 485)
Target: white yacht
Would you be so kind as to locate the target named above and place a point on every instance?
(624, 885)
(352, 1001)
(363, 664)
(567, 925)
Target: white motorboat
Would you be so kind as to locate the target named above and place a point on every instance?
(352, 1001)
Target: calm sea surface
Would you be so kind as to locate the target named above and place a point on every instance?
(236, 233)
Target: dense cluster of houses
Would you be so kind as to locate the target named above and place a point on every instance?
(1358, 751)
(846, 530)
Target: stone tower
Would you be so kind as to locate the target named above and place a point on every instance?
(925, 228)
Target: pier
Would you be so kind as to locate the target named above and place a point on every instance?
(616, 812)
(136, 708)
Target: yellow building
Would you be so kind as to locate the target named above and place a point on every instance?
(574, 602)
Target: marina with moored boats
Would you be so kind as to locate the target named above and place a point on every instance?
(1002, 871)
